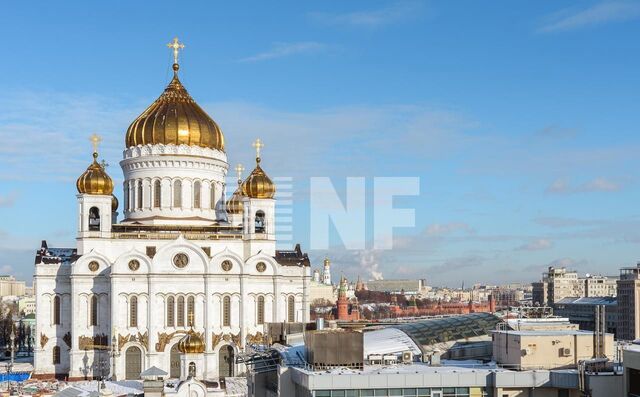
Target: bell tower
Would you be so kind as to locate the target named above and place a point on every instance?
(95, 198)
(258, 203)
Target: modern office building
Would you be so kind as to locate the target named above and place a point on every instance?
(582, 311)
(628, 305)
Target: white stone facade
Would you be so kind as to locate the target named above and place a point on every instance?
(120, 302)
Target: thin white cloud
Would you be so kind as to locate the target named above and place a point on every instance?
(280, 50)
(562, 186)
(9, 199)
(440, 229)
(536, 245)
(597, 14)
(395, 13)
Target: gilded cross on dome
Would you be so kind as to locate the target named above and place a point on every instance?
(258, 145)
(176, 46)
(95, 141)
(239, 169)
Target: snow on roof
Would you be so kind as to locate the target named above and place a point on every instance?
(388, 341)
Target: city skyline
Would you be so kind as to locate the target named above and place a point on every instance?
(523, 143)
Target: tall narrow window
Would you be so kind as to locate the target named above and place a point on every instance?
(226, 311)
(94, 219)
(212, 196)
(177, 193)
(171, 312)
(291, 309)
(56, 310)
(192, 369)
(139, 195)
(126, 196)
(196, 194)
(181, 311)
(191, 311)
(261, 309)
(260, 222)
(56, 354)
(94, 311)
(157, 194)
(133, 312)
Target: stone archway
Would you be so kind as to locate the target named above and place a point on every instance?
(133, 363)
(226, 359)
(174, 362)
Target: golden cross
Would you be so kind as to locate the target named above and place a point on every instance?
(239, 169)
(95, 141)
(175, 46)
(190, 319)
(258, 145)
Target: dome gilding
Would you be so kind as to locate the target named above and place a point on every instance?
(191, 343)
(175, 119)
(258, 184)
(95, 180)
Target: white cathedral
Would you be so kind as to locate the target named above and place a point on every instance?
(185, 273)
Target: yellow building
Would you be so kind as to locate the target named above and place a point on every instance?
(551, 349)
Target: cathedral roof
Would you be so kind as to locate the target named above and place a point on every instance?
(293, 257)
(175, 118)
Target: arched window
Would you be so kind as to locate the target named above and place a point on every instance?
(260, 222)
(56, 310)
(291, 309)
(94, 311)
(133, 311)
(94, 219)
(177, 193)
(191, 310)
(212, 196)
(139, 195)
(171, 312)
(157, 194)
(56, 354)
(192, 369)
(181, 311)
(261, 309)
(226, 311)
(196, 194)
(126, 196)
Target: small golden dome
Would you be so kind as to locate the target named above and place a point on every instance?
(234, 205)
(114, 203)
(191, 343)
(258, 184)
(175, 118)
(95, 179)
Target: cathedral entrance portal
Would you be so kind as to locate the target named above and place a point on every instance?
(133, 363)
(174, 365)
(225, 363)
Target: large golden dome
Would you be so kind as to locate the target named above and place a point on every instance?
(191, 343)
(258, 184)
(175, 118)
(95, 179)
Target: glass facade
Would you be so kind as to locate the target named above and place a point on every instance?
(438, 330)
(411, 392)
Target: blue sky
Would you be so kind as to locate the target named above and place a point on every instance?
(520, 119)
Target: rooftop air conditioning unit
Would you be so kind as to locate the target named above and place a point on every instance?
(407, 357)
(375, 359)
(390, 359)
